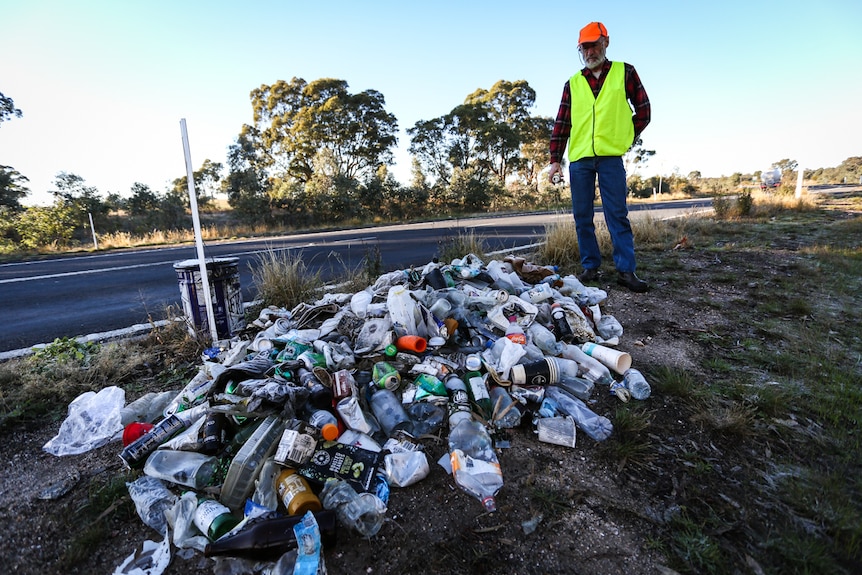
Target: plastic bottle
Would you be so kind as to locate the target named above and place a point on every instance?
(515, 332)
(363, 512)
(506, 413)
(325, 421)
(538, 293)
(187, 468)
(295, 493)
(595, 426)
(562, 329)
(475, 467)
(544, 339)
(389, 411)
(214, 519)
(459, 401)
(593, 369)
(637, 384)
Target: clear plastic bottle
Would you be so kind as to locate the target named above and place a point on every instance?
(594, 425)
(187, 468)
(506, 413)
(475, 467)
(325, 421)
(389, 411)
(593, 369)
(363, 512)
(637, 384)
(544, 339)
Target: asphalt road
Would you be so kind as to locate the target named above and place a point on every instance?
(91, 294)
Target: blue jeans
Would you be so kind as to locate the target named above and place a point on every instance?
(612, 186)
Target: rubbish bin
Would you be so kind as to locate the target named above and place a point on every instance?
(223, 275)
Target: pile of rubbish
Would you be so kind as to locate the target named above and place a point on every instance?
(303, 422)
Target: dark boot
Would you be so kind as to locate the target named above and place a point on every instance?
(633, 282)
(588, 275)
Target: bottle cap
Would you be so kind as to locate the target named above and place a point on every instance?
(329, 431)
(473, 362)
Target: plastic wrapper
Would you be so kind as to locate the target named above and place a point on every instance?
(152, 501)
(151, 559)
(93, 420)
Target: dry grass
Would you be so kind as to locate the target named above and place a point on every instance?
(461, 245)
(282, 279)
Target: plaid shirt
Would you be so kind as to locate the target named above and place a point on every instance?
(634, 92)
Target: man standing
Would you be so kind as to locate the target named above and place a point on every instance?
(596, 119)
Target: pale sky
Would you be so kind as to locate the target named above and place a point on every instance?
(103, 84)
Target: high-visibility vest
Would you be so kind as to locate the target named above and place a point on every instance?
(601, 126)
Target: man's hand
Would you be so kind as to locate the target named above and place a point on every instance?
(555, 174)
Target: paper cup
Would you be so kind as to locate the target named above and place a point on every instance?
(619, 361)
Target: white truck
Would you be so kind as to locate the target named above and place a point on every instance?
(770, 178)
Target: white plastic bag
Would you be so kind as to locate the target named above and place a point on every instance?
(93, 420)
(151, 559)
(152, 500)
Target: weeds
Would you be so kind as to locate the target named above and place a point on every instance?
(459, 246)
(282, 279)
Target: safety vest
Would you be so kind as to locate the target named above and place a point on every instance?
(601, 126)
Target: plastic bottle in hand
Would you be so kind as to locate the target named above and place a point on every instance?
(636, 383)
(475, 467)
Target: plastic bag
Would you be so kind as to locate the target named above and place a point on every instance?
(182, 518)
(152, 500)
(151, 559)
(403, 469)
(375, 334)
(93, 420)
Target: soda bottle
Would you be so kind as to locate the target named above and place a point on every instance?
(544, 339)
(515, 332)
(459, 401)
(506, 412)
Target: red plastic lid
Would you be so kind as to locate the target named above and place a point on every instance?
(135, 430)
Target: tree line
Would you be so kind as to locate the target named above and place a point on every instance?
(317, 154)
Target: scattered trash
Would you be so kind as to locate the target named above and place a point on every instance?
(301, 422)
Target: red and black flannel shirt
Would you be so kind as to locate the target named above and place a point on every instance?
(634, 92)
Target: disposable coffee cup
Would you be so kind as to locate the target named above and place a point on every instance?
(441, 308)
(557, 430)
(542, 372)
(614, 359)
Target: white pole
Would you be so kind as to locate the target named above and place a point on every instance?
(93, 229)
(799, 181)
(193, 201)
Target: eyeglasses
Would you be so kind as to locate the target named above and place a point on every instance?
(587, 46)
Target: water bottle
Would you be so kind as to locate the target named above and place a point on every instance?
(389, 411)
(325, 421)
(636, 384)
(593, 369)
(363, 512)
(475, 467)
(544, 339)
(595, 426)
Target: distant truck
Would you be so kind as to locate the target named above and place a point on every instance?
(770, 179)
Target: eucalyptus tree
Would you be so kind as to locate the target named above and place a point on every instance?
(296, 120)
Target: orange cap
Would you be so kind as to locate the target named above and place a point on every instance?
(592, 32)
(329, 431)
(411, 343)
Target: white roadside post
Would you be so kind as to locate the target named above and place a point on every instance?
(193, 201)
(799, 181)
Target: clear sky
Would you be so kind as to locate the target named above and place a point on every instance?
(735, 85)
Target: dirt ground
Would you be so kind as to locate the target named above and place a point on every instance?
(593, 513)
